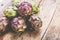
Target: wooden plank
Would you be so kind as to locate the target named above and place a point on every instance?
(53, 32)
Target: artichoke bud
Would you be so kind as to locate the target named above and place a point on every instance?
(10, 12)
(35, 8)
(18, 24)
(16, 3)
(3, 24)
(25, 9)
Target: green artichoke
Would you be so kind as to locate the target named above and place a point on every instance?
(10, 12)
(35, 8)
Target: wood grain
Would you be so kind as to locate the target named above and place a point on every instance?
(46, 14)
(53, 32)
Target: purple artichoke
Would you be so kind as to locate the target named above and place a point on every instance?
(25, 9)
(3, 23)
(36, 22)
(18, 24)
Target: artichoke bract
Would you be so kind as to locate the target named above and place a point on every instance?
(18, 24)
(25, 9)
(35, 8)
(10, 12)
(16, 3)
(3, 23)
(36, 22)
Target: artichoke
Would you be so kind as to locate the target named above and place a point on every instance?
(25, 9)
(35, 8)
(35, 22)
(3, 23)
(10, 12)
(18, 24)
(16, 3)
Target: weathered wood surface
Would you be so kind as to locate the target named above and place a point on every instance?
(46, 13)
(53, 32)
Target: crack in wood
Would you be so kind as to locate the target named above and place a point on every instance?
(22, 38)
(39, 3)
(48, 24)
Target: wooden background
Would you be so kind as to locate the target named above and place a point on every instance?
(50, 16)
